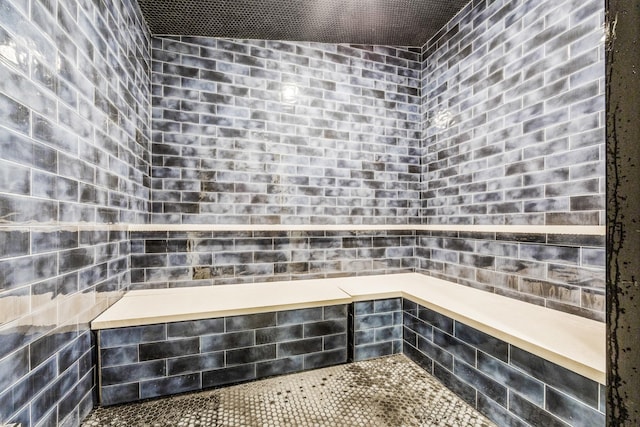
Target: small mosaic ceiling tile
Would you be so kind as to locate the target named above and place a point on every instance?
(369, 22)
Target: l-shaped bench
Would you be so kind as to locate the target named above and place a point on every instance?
(516, 362)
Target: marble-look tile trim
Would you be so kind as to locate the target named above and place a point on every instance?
(510, 386)
(520, 229)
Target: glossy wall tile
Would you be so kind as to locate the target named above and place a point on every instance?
(561, 272)
(74, 142)
(168, 259)
(512, 387)
(169, 358)
(498, 119)
(513, 115)
(262, 132)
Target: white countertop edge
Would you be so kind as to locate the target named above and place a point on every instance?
(98, 324)
(587, 230)
(592, 230)
(583, 367)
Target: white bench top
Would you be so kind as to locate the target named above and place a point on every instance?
(570, 341)
(146, 307)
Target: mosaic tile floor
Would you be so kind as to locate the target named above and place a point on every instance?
(389, 391)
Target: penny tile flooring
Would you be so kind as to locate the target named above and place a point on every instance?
(390, 391)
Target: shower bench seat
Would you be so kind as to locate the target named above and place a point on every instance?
(163, 341)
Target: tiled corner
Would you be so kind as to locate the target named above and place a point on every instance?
(377, 328)
(507, 384)
(513, 124)
(74, 141)
(543, 269)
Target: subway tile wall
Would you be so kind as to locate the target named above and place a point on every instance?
(513, 115)
(501, 123)
(562, 272)
(375, 327)
(158, 360)
(509, 385)
(286, 133)
(74, 146)
(169, 259)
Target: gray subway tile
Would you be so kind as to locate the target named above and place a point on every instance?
(250, 354)
(363, 307)
(301, 346)
(386, 305)
(459, 387)
(278, 334)
(168, 349)
(514, 379)
(16, 366)
(423, 361)
(169, 385)
(132, 372)
(132, 335)
(481, 382)
(195, 363)
(436, 319)
(571, 410)
(279, 366)
(119, 393)
(373, 321)
(497, 413)
(334, 342)
(487, 343)
(561, 378)
(335, 312)
(442, 355)
(370, 351)
(250, 321)
(531, 413)
(325, 358)
(454, 346)
(326, 327)
(388, 333)
(230, 375)
(220, 342)
(195, 328)
(299, 316)
(118, 356)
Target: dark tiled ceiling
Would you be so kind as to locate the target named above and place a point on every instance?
(384, 22)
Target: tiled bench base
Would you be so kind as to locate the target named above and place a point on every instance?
(158, 360)
(376, 328)
(510, 386)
